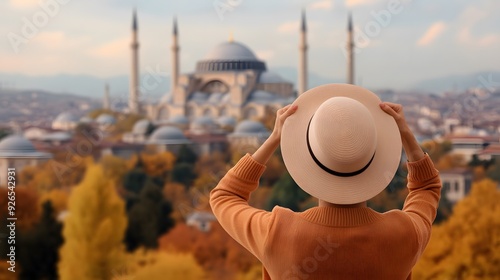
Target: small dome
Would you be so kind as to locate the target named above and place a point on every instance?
(230, 51)
(227, 121)
(261, 96)
(66, 117)
(203, 124)
(57, 136)
(16, 146)
(65, 121)
(141, 127)
(204, 120)
(199, 97)
(271, 78)
(168, 135)
(179, 119)
(106, 119)
(248, 127)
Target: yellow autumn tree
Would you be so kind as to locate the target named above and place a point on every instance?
(467, 245)
(93, 230)
(159, 265)
(58, 198)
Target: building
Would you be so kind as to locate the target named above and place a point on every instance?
(18, 152)
(228, 81)
(456, 183)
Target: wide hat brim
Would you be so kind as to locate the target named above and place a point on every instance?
(323, 185)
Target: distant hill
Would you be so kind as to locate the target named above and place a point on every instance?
(93, 87)
(28, 105)
(82, 85)
(459, 82)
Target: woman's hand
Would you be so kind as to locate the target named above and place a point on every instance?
(265, 151)
(281, 115)
(395, 111)
(410, 144)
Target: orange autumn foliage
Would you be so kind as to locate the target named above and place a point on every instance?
(215, 250)
(467, 245)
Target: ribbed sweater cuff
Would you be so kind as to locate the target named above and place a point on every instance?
(421, 170)
(248, 169)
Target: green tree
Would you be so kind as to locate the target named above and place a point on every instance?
(149, 218)
(93, 230)
(148, 212)
(287, 193)
(186, 155)
(183, 173)
(38, 248)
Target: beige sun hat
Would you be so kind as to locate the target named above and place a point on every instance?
(339, 146)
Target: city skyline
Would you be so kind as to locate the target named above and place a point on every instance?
(393, 38)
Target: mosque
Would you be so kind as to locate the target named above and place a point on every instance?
(229, 81)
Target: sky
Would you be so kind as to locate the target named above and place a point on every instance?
(399, 42)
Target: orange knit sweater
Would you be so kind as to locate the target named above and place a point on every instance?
(327, 242)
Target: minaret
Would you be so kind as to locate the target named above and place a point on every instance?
(133, 102)
(350, 51)
(175, 57)
(302, 85)
(106, 101)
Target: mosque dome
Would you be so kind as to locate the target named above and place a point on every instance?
(106, 119)
(230, 56)
(16, 146)
(141, 127)
(168, 135)
(226, 121)
(261, 96)
(250, 128)
(179, 120)
(230, 51)
(203, 124)
(66, 117)
(65, 120)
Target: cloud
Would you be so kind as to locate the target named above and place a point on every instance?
(265, 54)
(50, 40)
(352, 3)
(289, 27)
(114, 49)
(322, 5)
(432, 33)
(23, 4)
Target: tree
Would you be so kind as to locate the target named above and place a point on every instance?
(177, 194)
(93, 230)
(158, 165)
(38, 248)
(149, 218)
(287, 193)
(183, 173)
(58, 199)
(219, 254)
(437, 149)
(186, 155)
(148, 211)
(152, 265)
(467, 245)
